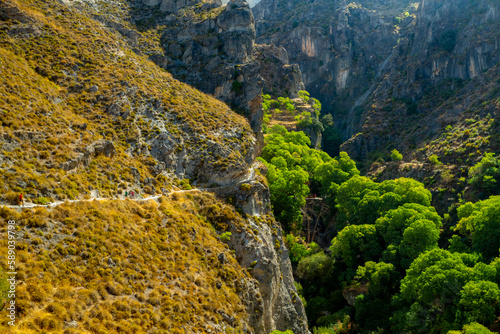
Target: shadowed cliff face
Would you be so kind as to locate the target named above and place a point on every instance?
(362, 59)
(452, 40)
(340, 47)
(452, 44)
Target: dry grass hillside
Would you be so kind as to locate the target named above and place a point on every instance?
(84, 113)
(125, 267)
(67, 82)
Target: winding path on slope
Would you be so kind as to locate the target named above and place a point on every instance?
(250, 176)
(57, 203)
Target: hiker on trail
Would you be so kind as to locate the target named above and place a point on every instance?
(132, 194)
(21, 199)
(126, 194)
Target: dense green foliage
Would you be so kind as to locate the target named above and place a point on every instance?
(305, 111)
(481, 223)
(299, 248)
(360, 200)
(396, 156)
(484, 177)
(473, 328)
(292, 166)
(385, 255)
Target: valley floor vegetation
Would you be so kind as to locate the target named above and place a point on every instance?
(394, 265)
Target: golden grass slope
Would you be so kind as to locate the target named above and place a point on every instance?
(48, 115)
(126, 267)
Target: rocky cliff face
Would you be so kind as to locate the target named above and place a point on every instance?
(450, 40)
(280, 77)
(210, 47)
(260, 248)
(341, 48)
(372, 62)
(213, 48)
(451, 45)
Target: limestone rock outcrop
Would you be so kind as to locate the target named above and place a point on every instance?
(260, 248)
(280, 77)
(236, 27)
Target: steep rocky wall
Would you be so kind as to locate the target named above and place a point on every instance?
(210, 47)
(280, 77)
(340, 47)
(452, 43)
(213, 48)
(451, 40)
(260, 247)
(359, 58)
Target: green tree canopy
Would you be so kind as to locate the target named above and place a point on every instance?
(292, 164)
(356, 244)
(393, 224)
(479, 302)
(481, 223)
(473, 328)
(288, 194)
(396, 156)
(382, 278)
(453, 286)
(314, 267)
(435, 275)
(361, 201)
(422, 235)
(373, 309)
(484, 177)
(335, 171)
(299, 249)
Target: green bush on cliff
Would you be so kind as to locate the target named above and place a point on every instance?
(299, 249)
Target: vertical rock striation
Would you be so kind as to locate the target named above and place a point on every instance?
(358, 57)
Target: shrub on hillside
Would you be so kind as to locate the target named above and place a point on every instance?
(485, 176)
(396, 156)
